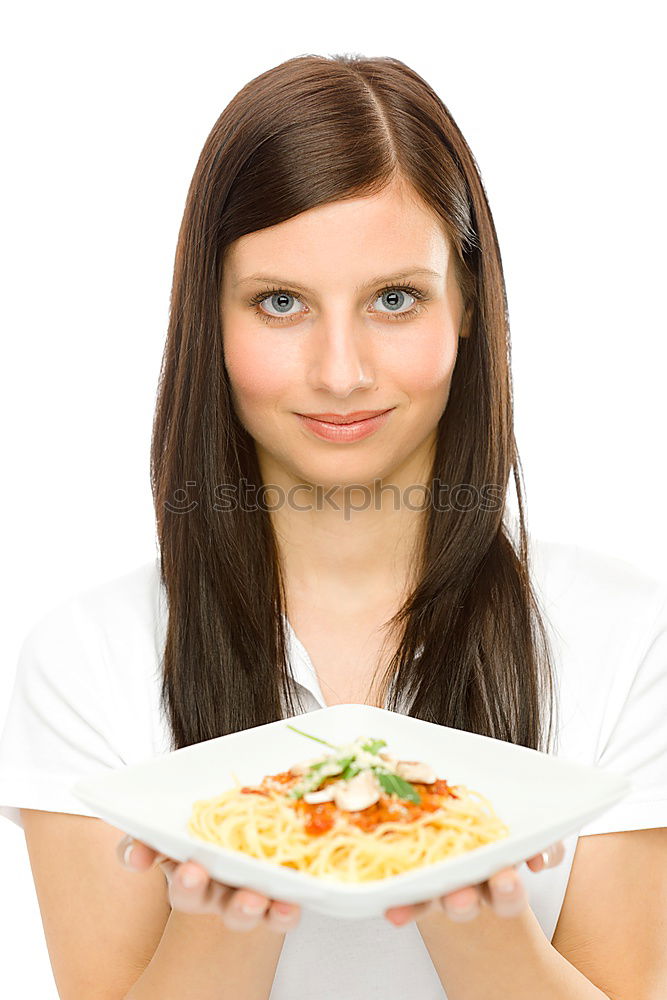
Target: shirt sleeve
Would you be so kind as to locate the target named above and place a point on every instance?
(637, 741)
(59, 723)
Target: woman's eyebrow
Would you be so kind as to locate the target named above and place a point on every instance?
(403, 275)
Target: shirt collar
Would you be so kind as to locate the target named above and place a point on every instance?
(301, 666)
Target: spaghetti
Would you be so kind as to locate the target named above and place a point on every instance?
(354, 816)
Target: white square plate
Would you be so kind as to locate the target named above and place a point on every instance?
(542, 799)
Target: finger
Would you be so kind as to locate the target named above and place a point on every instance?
(400, 915)
(505, 893)
(134, 854)
(282, 916)
(463, 904)
(244, 909)
(192, 890)
(549, 858)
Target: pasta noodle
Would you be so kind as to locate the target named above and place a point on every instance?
(392, 835)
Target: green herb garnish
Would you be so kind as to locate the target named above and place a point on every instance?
(393, 784)
(349, 767)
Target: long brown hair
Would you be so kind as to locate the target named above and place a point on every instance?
(473, 651)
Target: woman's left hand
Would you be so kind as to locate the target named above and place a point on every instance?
(465, 904)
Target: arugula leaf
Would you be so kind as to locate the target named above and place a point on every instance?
(351, 768)
(393, 784)
(372, 746)
(309, 782)
(318, 765)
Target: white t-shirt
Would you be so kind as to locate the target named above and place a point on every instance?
(86, 698)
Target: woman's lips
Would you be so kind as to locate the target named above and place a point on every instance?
(342, 433)
(345, 418)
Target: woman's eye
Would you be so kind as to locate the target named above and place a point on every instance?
(394, 299)
(281, 302)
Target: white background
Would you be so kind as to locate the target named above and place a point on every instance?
(105, 111)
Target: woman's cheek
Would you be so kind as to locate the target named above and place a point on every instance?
(258, 378)
(254, 369)
(427, 369)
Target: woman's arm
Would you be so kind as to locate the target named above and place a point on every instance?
(101, 924)
(200, 957)
(500, 957)
(218, 941)
(610, 930)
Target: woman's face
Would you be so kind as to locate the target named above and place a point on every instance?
(325, 335)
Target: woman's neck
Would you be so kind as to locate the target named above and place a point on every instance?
(351, 543)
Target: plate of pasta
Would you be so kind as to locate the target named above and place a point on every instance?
(351, 809)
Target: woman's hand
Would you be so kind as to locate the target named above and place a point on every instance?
(465, 904)
(193, 891)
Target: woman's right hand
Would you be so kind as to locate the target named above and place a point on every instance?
(207, 895)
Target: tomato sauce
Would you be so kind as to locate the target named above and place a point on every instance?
(320, 817)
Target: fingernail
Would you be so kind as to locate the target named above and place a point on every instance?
(253, 907)
(190, 878)
(284, 909)
(546, 857)
(505, 885)
(127, 855)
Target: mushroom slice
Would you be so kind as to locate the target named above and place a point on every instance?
(326, 794)
(416, 770)
(358, 793)
(389, 759)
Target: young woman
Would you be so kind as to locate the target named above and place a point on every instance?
(332, 451)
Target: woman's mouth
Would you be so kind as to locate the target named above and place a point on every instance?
(344, 432)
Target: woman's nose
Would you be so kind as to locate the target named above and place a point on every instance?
(341, 360)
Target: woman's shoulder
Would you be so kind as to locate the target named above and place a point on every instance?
(606, 618)
(133, 599)
(84, 693)
(600, 582)
(109, 633)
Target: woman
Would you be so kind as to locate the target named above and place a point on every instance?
(337, 254)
